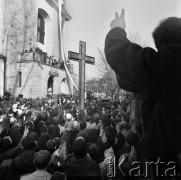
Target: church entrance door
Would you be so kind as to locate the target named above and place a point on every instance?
(50, 85)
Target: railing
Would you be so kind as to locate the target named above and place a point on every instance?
(42, 58)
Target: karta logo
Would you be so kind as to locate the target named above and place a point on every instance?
(111, 171)
(121, 163)
(138, 169)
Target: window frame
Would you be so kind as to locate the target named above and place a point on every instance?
(40, 29)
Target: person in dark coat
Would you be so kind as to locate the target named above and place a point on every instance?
(15, 136)
(44, 137)
(80, 166)
(156, 75)
(24, 164)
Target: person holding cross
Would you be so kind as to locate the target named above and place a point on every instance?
(156, 75)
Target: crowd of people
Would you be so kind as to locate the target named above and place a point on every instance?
(48, 138)
(136, 137)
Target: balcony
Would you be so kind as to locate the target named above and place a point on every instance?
(42, 58)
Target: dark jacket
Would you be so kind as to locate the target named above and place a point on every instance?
(24, 163)
(11, 153)
(6, 170)
(157, 76)
(67, 137)
(81, 168)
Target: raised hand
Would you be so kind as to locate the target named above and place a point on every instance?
(119, 20)
(26, 131)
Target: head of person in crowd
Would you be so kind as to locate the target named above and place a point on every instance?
(79, 147)
(28, 114)
(51, 146)
(61, 121)
(41, 123)
(10, 112)
(51, 131)
(57, 142)
(44, 137)
(99, 125)
(43, 115)
(84, 135)
(87, 118)
(55, 120)
(30, 124)
(82, 125)
(94, 152)
(68, 117)
(106, 120)
(6, 143)
(69, 125)
(92, 135)
(76, 125)
(96, 118)
(123, 126)
(132, 138)
(133, 141)
(42, 159)
(167, 32)
(16, 125)
(120, 140)
(91, 119)
(107, 137)
(48, 123)
(29, 143)
(13, 120)
(15, 135)
(43, 129)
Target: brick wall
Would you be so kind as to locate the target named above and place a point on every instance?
(20, 27)
(2, 11)
(31, 80)
(18, 22)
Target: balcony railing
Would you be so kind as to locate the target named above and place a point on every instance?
(41, 57)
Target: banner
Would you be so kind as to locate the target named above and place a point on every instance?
(62, 21)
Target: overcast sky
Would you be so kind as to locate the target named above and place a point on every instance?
(91, 22)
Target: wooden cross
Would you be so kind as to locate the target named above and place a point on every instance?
(83, 59)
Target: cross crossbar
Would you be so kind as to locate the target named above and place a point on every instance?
(76, 57)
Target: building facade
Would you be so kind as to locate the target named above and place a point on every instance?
(30, 33)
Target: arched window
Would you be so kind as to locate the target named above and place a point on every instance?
(41, 29)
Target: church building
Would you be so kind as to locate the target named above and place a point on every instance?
(31, 61)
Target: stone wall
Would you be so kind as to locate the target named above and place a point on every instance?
(35, 79)
(31, 82)
(20, 28)
(18, 22)
(1, 76)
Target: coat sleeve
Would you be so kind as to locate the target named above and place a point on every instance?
(123, 84)
(132, 63)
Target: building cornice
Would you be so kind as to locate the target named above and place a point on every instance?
(64, 11)
(53, 3)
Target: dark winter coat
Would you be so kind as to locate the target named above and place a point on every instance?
(24, 163)
(157, 75)
(81, 168)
